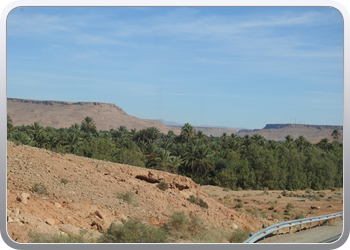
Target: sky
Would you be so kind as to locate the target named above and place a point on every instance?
(241, 67)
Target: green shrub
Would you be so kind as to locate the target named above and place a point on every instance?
(308, 191)
(291, 194)
(239, 236)
(198, 201)
(211, 235)
(178, 221)
(195, 225)
(299, 216)
(266, 191)
(321, 194)
(225, 189)
(56, 238)
(163, 186)
(64, 181)
(133, 231)
(275, 216)
(40, 188)
(239, 205)
(191, 228)
(127, 197)
(255, 212)
(290, 206)
(284, 193)
(203, 204)
(239, 189)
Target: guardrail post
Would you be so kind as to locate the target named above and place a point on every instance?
(261, 235)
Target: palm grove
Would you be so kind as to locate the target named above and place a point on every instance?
(231, 161)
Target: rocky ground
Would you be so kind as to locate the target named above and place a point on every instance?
(82, 196)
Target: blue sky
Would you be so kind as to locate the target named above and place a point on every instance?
(231, 66)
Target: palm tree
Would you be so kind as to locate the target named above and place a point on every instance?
(201, 136)
(187, 132)
(132, 133)
(148, 135)
(88, 125)
(224, 137)
(39, 137)
(323, 143)
(22, 137)
(74, 128)
(35, 127)
(289, 141)
(258, 139)
(130, 145)
(150, 151)
(233, 136)
(199, 159)
(72, 140)
(246, 142)
(335, 134)
(302, 143)
(175, 162)
(164, 160)
(9, 124)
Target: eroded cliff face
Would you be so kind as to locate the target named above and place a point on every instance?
(301, 126)
(58, 104)
(60, 114)
(278, 132)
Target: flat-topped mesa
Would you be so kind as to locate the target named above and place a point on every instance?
(64, 103)
(291, 125)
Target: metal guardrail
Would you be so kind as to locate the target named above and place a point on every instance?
(268, 230)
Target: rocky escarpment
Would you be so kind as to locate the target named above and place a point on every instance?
(278, 132)
(61, 114)
(301, 126)
(62, 103)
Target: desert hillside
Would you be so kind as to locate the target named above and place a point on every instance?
(82, 196)
(88, 199)
(59, 114)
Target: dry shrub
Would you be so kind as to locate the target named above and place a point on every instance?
(133, 231)
(239, 236)
(56, 238)
(198, 201)
(40, 188)
(163, 186)
(127, 197)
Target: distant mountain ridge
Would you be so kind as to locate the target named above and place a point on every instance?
(60, 114)
(278, 132)
(292, 125)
